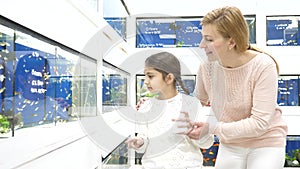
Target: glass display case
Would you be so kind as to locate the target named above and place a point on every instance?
(292, 158)
(38, 83)
(118, 156)
(251, 21)
(168, 32)
(283, 30)
(173, 32)
(288, 90)
(84, 87)
(114, 87)
(6, 73)
(119, 25)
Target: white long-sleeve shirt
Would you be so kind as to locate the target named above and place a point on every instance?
(162, 147)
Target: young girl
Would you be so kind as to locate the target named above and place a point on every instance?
(158, 136)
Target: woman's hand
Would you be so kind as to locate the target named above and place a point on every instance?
(134, 142)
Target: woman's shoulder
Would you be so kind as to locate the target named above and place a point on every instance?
(263, 58)
(262, 63)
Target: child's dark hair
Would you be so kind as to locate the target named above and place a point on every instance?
(166, 63)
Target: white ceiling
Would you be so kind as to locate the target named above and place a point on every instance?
(115, 8)
(184, 8)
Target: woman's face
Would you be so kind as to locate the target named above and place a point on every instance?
(154, 80)
(214, 44)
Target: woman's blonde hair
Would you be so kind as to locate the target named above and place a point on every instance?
(230, 23)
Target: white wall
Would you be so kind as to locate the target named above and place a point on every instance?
(70, 22)
(113, 8)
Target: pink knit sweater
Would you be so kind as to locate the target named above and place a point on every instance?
(243, 100)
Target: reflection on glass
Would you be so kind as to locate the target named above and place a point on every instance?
(118, 156)
(251, 21)
(85, 88)
(119, 25)
(61, 83)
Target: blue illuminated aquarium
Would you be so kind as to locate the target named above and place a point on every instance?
(283, 30)
(114, 86)
(288, 90)
(41, 80)
(114, 90)
(292, 158)
(30, 90)
(168, 32)
(32, 93)
(175, 32)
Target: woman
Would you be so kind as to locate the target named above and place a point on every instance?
(240, 83)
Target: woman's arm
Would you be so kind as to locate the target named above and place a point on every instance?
(201, 90)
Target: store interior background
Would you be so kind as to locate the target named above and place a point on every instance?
(80, 25)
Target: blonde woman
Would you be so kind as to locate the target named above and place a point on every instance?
(240, 83)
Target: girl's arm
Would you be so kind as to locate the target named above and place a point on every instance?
(205, 142)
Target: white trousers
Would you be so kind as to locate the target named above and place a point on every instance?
(230, 157)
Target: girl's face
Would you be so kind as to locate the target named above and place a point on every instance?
(154, 80)
(214, 44)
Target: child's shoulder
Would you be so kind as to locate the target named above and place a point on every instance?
(146, 105)
(150, 104)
